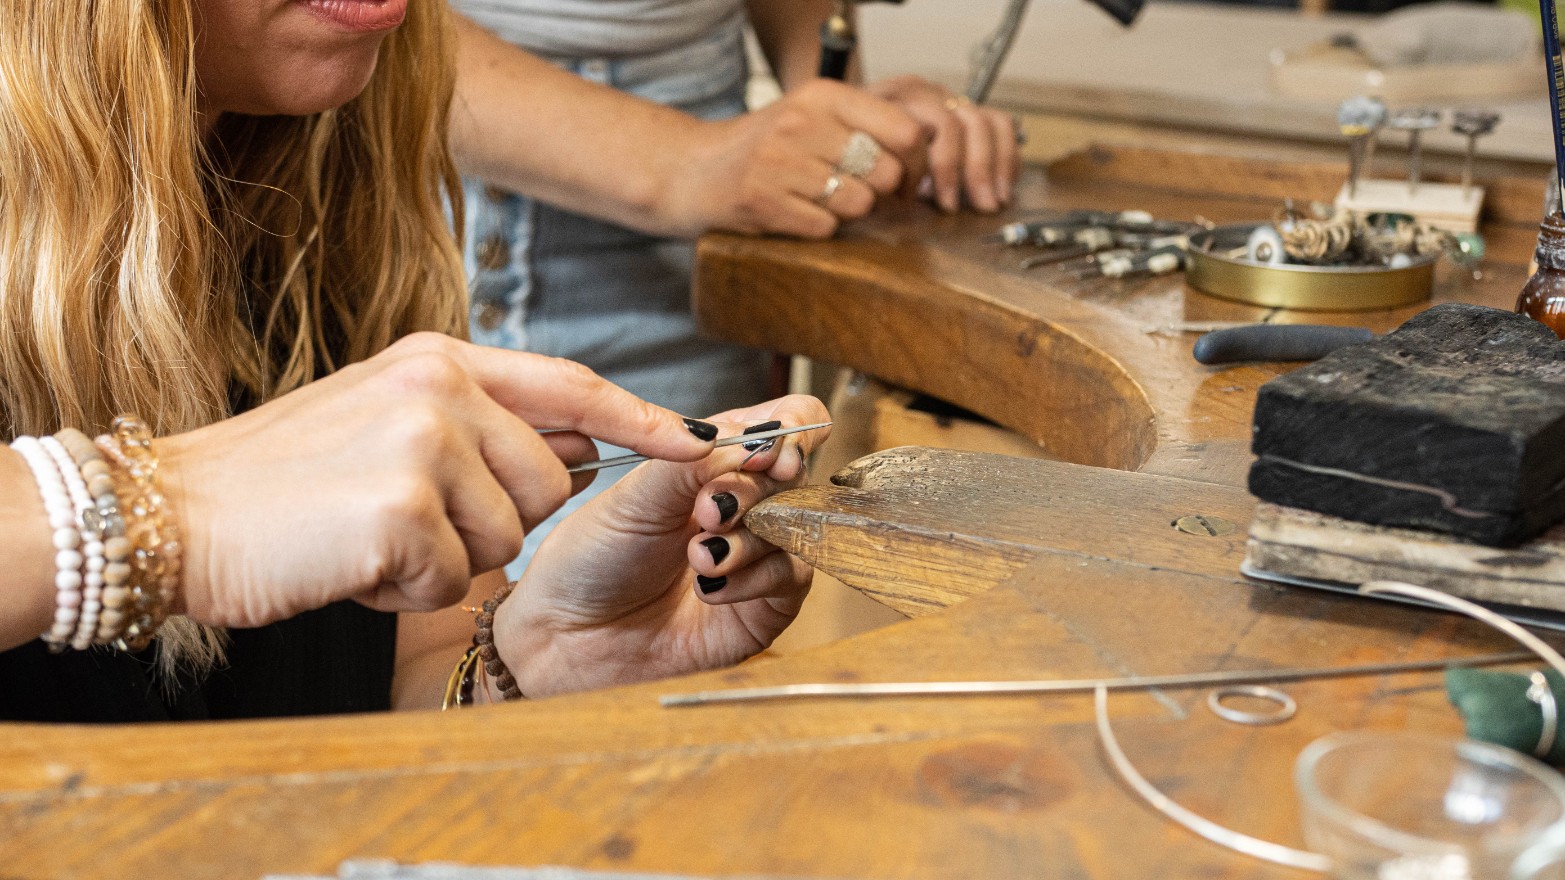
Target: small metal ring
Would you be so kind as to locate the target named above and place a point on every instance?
(1539, 692)
(1286, 707)
(833, 183)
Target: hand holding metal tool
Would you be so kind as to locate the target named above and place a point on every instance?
(621, 460)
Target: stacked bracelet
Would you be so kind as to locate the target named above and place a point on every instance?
(154, 545)
(117, 550)
(66, 538)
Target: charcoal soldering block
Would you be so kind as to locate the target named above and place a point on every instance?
(1454, 422)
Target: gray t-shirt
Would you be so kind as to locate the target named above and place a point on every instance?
(600, 28)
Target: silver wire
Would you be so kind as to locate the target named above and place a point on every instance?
(1226, 837)
(1080, 685)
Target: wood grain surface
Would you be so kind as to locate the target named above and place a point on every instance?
(1073, 570)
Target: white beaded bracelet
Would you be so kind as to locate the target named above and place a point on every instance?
(93, 559)
(66, 537)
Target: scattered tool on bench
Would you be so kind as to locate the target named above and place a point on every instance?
(1275, 342)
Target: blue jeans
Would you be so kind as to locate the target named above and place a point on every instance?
(556, 283)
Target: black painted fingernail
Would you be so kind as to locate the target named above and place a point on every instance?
(718, 547)
(763, 427)
(702, 430)
(727, 505)
(710, 585)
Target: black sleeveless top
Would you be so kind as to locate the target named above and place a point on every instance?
(332, 660)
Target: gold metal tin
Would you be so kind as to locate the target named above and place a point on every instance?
(1287, 286)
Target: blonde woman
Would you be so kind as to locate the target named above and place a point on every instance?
(229, 217)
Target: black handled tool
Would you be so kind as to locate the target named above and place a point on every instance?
(839, 37)
(1276, 342)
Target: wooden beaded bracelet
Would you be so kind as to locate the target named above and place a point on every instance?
(483, 657)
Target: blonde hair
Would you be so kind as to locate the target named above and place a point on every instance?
(146, 269)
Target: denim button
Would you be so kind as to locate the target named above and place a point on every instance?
(493, 253)
(595, 69)
(490, 314)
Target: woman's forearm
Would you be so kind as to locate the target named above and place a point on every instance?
(526, 126)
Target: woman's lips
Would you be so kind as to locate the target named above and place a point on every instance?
(363, 16)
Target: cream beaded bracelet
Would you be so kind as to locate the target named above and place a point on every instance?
(101, 505)
(90, 552)
(66, 539)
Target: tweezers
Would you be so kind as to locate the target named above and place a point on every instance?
(726, 441)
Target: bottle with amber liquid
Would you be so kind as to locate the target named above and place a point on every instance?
(1543, 297)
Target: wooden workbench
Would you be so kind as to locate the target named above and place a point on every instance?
(1072, 568)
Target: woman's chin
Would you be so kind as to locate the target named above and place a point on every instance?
(299, 96)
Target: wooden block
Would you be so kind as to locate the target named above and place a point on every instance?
(1443, 205)
(1297, 543)
(1453, 422)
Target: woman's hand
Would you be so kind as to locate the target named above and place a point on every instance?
(974, 149)
(768, 171)
(393, 481)
(612, 595)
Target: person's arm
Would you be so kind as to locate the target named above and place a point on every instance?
(392, 482)
(522, 124)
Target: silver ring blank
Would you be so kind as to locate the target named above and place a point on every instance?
(859, 155)
(1286, 707)
(833, 183)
